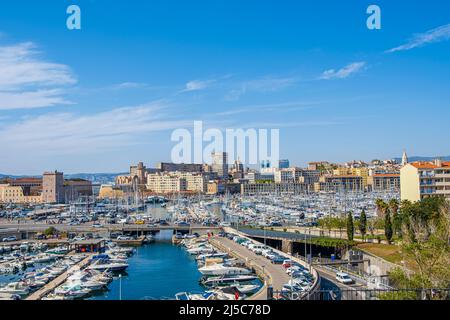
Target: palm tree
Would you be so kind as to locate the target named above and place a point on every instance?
(381, 207)
(393, 206)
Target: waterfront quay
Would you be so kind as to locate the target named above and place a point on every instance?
(274, 276)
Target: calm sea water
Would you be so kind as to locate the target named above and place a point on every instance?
(158, 270)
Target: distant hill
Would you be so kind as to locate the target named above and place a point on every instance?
(420, 158)
(94, 177)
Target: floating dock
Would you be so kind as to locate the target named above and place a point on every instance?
(52, 285)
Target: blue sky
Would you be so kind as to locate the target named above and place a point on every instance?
(98, 99)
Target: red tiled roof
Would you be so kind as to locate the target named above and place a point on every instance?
(429, 165)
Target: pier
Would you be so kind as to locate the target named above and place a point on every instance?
(52, 285)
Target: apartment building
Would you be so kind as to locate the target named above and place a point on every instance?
(171, 182)
(384, 182)
(362, 172)
(425, 179)
(251, 189)
(220, 164)
(15, 194)
(341, 183)
(297, 175)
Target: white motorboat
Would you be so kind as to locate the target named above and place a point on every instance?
(220, 269)
(15, 288)
(72, 291)
(200, 250)
(246, 288)
(43, 258)
(196, 296)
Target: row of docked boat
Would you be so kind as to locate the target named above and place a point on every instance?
(223, 277)
(39, 277)
(18, 258)
(95, 277)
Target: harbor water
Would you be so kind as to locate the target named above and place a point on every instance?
(156, 271)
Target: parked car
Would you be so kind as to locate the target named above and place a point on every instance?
(277, 259)
(123, 237)
(344, 278)
(78, 238)
(182, 224)
(9, 239)
(97, 225)
(287, 263)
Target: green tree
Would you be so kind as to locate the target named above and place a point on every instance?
(395, 219)
(381, 207)
(350, 227)
(363, 224)
(388, 226)
(426, 234)
(50, 231)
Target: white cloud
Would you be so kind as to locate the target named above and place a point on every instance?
(68, 133)
(27, 81)
(130, 85)
(441, 33)
(197, 85)
(31, 99)
(268, 84)
(344, 72)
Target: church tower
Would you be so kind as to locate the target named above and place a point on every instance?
(404, 158)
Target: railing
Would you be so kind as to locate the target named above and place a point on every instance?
(370, 294)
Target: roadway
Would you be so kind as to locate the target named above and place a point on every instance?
(348, 292)
(88, 227)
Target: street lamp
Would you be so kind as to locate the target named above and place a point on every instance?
(120, 287)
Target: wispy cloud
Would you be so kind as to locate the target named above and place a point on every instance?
(129, 85)
(279, 107)
(31, 99)
(344, 72)
(197, 85)
(438, 34)
(86, 134)
(27, 81)
(268, 84)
